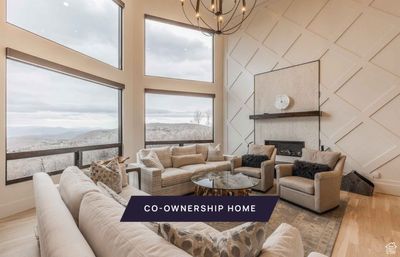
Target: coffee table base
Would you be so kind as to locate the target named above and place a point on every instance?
(205, 191)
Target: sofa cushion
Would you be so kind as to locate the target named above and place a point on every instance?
(203, 150)
(58, 232)
(111, 193)
(129, 191)
(107, 236)
(183, 150)
(304, 185)
(308, 169)
(249, 171)
(175, 176)
(183, 160)
(215, 154)
(151, 160)
(221, 165)
(112, 178)
(198, 169)
(262, 150)
(285, 241)
(163, 154)
(328, 158)
(73, 186)
(244, 240)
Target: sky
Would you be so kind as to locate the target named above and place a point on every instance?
(178, 52)
(88, 26)
(40, 98)
(176, 109)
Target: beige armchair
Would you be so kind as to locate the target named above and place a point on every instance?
(265, 173)
(319, 194)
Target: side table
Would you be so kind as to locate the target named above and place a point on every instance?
(135, 167)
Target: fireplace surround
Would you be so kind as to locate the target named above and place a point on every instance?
(287, 148)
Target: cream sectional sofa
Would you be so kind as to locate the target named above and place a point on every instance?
(76, 220)
(177, 181)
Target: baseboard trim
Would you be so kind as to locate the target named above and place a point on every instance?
(387, 187)
(16, 207)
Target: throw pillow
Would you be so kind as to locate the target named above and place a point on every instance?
(253, 160)
(151, 160)
(163, 154)
(115, 165)
(183, 150)
(242, 241)
(111, 193)
(106, 175)
(308, 169)
(183, 160)
(215, 154)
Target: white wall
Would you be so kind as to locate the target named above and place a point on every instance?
(358, 42)
(18, 197)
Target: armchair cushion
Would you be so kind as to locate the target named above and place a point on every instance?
(249, 171)
(304, 185)
(262, 150)
(308, 169)
(327, 158)
(253, 160)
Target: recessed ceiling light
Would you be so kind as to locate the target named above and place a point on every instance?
(66, 4)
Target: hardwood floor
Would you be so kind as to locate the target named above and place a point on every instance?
(369, 224)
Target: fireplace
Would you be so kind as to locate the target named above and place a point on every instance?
(287, 148)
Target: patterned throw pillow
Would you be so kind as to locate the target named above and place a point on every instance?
(151, 160)
(242, 241)
(111, 193)
(109, 177)
(215, 154)
(115, 165)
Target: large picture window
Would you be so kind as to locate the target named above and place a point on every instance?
(178, 51)
(92, 27)
(55, 120)
(178, 118)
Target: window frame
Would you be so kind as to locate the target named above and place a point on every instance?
(28, 59)
(179, 93)
(120, 66)
(184, 25)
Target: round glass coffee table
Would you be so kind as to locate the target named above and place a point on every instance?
(224, 183)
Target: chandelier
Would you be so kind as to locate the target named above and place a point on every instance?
(217, 16)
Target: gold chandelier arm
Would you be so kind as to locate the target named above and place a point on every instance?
(225, 32)
(201, 18)
(233, 15)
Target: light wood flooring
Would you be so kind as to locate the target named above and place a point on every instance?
(368, 225)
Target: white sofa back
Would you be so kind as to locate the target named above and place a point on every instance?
(59, 235)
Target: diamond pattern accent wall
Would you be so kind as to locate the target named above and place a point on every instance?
(358, 43)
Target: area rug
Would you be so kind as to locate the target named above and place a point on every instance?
(318, 232)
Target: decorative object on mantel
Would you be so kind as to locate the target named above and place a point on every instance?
(282, 102)
(356, 183)
(228, 15)
(285, 115)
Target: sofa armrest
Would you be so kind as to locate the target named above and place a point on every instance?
(151, 179)
(236, 162)
(228, 157)
(283, 170)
